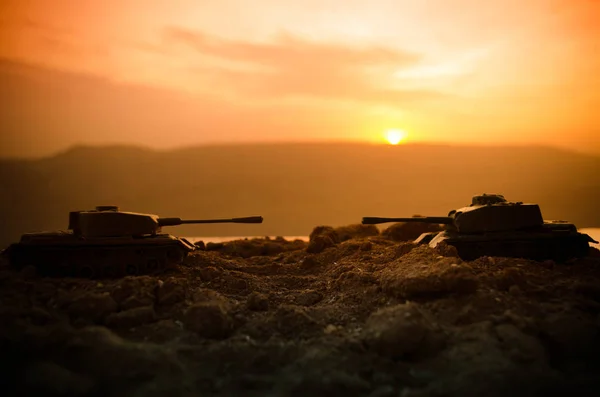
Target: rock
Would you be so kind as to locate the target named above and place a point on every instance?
(210, 273)
(236, 284)
(131, 318)
(324, 231)
(447, 250)
(366, 246)
(293, 320)
(321, 238)
(401, 332)
(92, 307)
(132, 292)
(209, 320)
(309, 298)
(510, 276)
(459, 279)
(170, 292)
(319, 244)
(309, 262)
(257, 302)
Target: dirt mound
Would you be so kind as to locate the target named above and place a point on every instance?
(360, 316)
(323, 237)
(253, 247)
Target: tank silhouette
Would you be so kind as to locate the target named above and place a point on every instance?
(493, 226)
(107, 242)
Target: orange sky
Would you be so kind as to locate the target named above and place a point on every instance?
(178, 72)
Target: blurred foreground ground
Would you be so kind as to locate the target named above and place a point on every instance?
(359, 314)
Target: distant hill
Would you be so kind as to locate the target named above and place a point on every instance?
(294, 186)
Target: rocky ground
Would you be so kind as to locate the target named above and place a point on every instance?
(352, 313)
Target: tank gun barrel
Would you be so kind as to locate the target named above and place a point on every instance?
(179, 221)
(373, 220)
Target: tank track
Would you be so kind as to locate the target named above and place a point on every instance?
(95, 262)
(557, 248)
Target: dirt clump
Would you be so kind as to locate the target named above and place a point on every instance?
(209, 319)
(401, 332)
(258, 302)
(403, 279)
(350, 312)
(92, 307)
(321, 238)
(319, 244)
(247, 248)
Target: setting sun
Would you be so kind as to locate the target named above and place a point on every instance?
(395, 137)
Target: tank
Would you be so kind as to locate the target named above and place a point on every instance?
(107, 243)
(493, 226)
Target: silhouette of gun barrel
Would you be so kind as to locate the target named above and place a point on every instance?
(443, 220)
(179, 221)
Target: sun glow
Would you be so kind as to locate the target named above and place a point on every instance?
(394, 137)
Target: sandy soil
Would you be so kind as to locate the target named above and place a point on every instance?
(352, 313)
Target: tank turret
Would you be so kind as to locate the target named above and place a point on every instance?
(107, 242)
(493, 226)
(487, 213)
(108, 221)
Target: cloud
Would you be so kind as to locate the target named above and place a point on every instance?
(36, 39)
(293, 67)
(46, 110)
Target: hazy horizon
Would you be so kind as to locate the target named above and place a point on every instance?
(407, 145)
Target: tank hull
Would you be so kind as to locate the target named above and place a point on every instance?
(63, 254)
(536, 245)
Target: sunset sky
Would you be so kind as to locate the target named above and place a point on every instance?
(169, 73)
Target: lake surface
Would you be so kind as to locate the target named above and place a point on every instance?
(230, 238)
(593, 232)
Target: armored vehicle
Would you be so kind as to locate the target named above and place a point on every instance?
(107, 242)
(493, 226)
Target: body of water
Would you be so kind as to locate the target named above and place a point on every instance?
(593, 232)
(231, 238)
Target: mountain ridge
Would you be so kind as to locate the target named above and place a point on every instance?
(212, 145)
